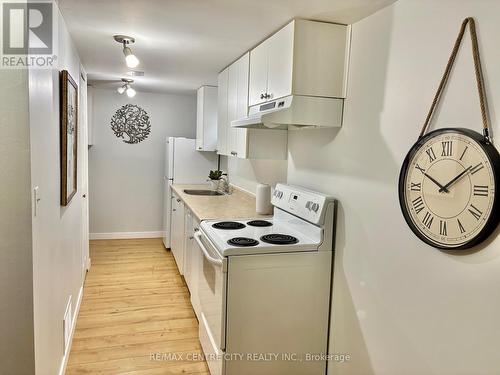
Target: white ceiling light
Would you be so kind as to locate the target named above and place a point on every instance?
(126, 87)
(130, 92)
(131, 60)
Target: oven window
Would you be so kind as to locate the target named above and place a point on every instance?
(209, 274)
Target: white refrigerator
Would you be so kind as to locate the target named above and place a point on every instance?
(183, 165)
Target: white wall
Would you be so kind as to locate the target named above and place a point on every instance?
(246, 173)
(126, 180)
(400, 306)
(16, 272)
(57, 230)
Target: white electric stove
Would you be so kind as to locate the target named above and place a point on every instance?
(265, 287)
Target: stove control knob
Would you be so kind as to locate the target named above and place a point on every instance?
(315, 207)
(308, 205)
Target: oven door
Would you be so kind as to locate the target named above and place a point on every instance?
(212, 278)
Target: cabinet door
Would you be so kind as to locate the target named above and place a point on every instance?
(197, 262)
(177, 245)
(258, 73)
(232, 107)
(242, 104)
(199, 119)
(222, 113)
(188, 248)
(206, 119)
(280, 71)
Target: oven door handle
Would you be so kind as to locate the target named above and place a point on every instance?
(215, 261)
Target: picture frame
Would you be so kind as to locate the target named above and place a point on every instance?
(69, 136)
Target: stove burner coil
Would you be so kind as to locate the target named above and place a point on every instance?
(279, 239)
(243, 241)
(260, 223)
(228, 225)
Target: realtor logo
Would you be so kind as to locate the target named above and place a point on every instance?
(27, 28)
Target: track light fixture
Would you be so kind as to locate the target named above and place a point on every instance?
(131, 60)
(126, 87)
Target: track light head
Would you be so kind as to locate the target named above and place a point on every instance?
(130, 92)
(126, 86)
(131, 60)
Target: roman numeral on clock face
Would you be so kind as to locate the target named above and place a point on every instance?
(431, 154)
(416, 186)
(428, 219)
(418, 204)
(481, 190)
(477, 168)
(442, 228)
(475, 211)
(461, 227)
(447, 148)
(420, 168)
(463, 153)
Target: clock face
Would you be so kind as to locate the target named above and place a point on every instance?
(448, 188)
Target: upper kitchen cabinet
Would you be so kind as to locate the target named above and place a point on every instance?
(244, 143)
(222, 112)
(206, 119)
(306, 58)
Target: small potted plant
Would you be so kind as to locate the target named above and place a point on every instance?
(214, 177)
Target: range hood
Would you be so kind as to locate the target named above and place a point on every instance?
(294, 112)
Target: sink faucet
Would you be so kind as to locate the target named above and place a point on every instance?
(226, 187)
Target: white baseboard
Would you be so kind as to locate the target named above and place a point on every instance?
(125, 235)
(64, 363)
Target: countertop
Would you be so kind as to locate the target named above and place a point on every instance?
(238, 205)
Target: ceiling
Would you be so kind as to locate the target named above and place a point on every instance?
(183, 44)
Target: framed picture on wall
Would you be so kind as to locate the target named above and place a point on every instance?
(69, 137)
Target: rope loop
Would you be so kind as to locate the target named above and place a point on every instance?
(479, 78)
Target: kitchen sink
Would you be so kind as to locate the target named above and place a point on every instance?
(202, 192)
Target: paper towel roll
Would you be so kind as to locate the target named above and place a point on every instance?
(263, 199)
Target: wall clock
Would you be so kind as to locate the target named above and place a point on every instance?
(450, 179)
(449, 188)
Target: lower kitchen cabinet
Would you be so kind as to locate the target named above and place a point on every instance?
(177, 232)
(190, 224)
(192, 259)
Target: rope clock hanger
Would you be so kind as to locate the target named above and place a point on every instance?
(449, 181)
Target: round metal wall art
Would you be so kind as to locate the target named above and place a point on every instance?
(131, 123)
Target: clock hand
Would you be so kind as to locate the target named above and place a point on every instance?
(455, 179)
(441, 187)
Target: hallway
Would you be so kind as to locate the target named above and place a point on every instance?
(135, 304)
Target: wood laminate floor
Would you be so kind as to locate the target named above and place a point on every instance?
(135, 304)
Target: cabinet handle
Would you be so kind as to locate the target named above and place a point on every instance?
(262, 96)
(267, 96)
(178, 200)
(173, 209)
